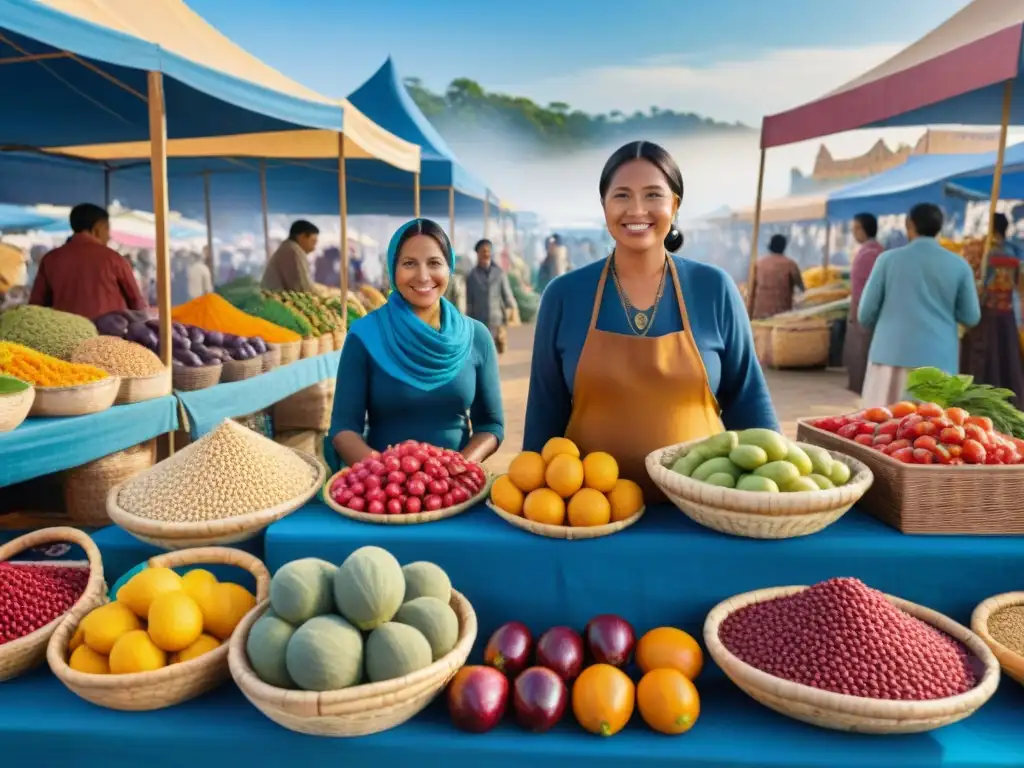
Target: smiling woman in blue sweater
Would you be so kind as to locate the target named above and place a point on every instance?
(643, 349)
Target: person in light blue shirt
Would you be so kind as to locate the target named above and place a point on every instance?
(914, 299)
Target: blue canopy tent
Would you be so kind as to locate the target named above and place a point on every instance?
(17, 218)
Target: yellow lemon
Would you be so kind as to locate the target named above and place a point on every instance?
(564, 475)
(204, 644)
(527, 471)
(145, 586)
(625, 498)
(136, 652)
(600, 471)
(197, 579)
(559, 445)
(85, 659)
(77, 639)
(506, 495)
(175, 621)
(223, 606)
(106, 624)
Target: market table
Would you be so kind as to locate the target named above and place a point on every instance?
(43, 446)
(206, 408)
(43, 724)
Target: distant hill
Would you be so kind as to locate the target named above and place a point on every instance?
(466, 111)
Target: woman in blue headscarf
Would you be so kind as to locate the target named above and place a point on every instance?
(417, 369)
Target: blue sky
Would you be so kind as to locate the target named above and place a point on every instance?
(557, 49)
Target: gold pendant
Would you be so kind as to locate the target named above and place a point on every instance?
(640, 320)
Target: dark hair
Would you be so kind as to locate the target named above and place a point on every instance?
(481, 243)
(302, 227)
(430, 229)
(1000, 224)
(927, 219)
(868, 223)
(660, 159)
(778, 244)
(85, 216)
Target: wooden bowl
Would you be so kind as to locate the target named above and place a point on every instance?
(15, 407)
(137, 389)
(173, 684)
(420, 517)
(756, 515)
(29, 651)
(78, 400)
(1011, 662)
(361, 709)
(572, 533)
(842, 712)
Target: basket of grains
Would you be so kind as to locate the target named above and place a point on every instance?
(143, 375)
(224, 488)
(163, 639)
(45, 330)
(16, 398)
(999, 621)
(326, 342)
(86, 487)
(62, 388)
(841, 655)
(290, 351)
(271, 358)
(310, 348)
(35, 596)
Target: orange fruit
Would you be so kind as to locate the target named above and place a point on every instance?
(603, 697)
(506, 496)
(544, 506)
(670, 648)
(557, 446)
(668, 701)
(589, 507)
(626, 498)
(564, 475)
(600, 471)
(527, 471)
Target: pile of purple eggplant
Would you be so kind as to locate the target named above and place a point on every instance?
(192, 347)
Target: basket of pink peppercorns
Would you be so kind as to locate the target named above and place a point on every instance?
(844, 656)
(35, 596)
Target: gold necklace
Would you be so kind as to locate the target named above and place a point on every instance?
(641, 322)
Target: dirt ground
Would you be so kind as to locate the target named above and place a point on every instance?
(796, 394)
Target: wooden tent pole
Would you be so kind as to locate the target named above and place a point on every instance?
(416, 195)
(451, 215)
(210, 260)
(752, 267)
(343, 212)
(997, 177)
(264, 207)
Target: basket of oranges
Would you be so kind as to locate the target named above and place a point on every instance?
(562, 495)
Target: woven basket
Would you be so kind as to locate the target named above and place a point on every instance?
(1011, 662)
(339, 339)
(326, 342)
(14, 408)
(173, 684)
(137, 389)
(239, 370)
(190, 379)
(290, 351)
(213, 532)
(566, 531)
(932, 498)
(803, 344)
(309, 348)
(27, 652)
(842, 712)
(79, 400)
(756, 515)
(420, 517)
(86, 487)
(362, 709)
(271, 358)
(763, 343)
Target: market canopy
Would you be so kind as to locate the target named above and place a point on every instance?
(786, 210)
(17, 217)
(954, 74)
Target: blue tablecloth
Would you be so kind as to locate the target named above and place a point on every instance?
(206, 408)
(664, 570)
(42, 724)
(43, 446)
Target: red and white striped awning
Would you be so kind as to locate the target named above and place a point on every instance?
(952, 75)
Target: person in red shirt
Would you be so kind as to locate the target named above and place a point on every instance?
(84, 276)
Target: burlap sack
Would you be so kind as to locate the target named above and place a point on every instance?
(308, 409)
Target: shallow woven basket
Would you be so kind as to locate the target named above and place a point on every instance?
(210, 533)
(756, 515)
(86, 487)
(79, 400)
(290, 351)
(173, 684)
(572, 533)
(1012, 663)
(271, 358)
(136, 389)
(239, 370)
(842, 712)
(356, 711)
(420, 517)
(801, 345)
(14, 408)
(29, 651)
(309, 348)
(190, 379)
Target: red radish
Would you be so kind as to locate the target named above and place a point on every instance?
(509, 648)
(416, 488)
(560, 649)
(376, 494)
(610, 640)
(371, 482)
(438, 487)
(376, 468)
(459, 495)
(344, 498)
(392, 463)
(410, 464)
(357, 504)
(375, 507)
(448, 500)
(539, 697)
(358, 489)
(393, 490)
(413, 505)
(477, 697)
(395, 507)
(398, 477)
(432, 503)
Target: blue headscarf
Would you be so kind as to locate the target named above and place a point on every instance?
(407, 348)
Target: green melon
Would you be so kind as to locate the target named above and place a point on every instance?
(325, 654)
(369, 587)
(436, 620)
(266, 646)
(423, 579)
(395, 650)
(302, 589)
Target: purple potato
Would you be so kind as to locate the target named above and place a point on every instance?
(258, 344)
(112, 324)
(188, 358)
(180, 342)
(214, 339)
(196, 335)
(153, 323)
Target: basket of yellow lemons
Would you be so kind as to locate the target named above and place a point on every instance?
(162, 637)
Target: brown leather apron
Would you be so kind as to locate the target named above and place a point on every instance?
(635, 394)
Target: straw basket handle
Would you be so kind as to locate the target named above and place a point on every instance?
(217, 556)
